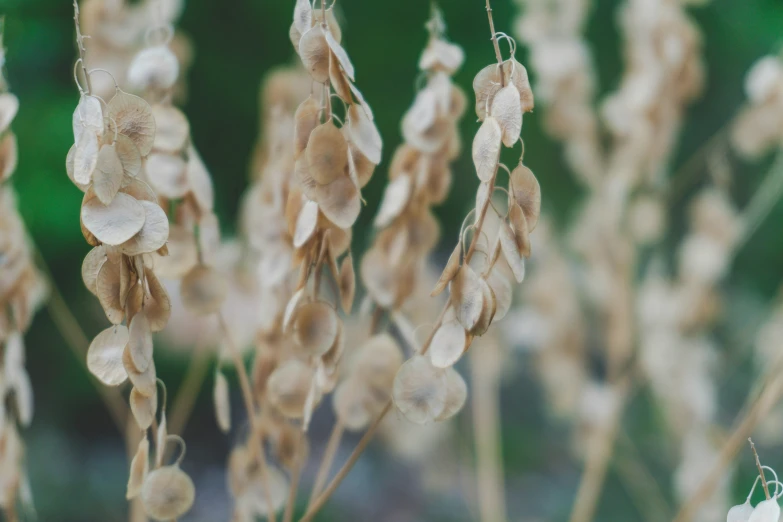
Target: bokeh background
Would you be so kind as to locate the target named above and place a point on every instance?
(77, 459)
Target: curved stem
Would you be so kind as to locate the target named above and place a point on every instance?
(326, 462)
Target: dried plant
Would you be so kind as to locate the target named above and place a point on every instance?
(22, 291)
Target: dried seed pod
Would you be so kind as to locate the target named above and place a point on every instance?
(486, 149)
(420, 390)
(315, 328)
(305, 120)
(288, 387)
(331, 22)
(108, 291)
(203, 290)
(168, 493)
(87, 118)
(485, 85)
(350, 404)
(69, 162)
(340, 201)
(160, 439)
(396, 197)
(488, 307)
(501, 290)
(145, 382)
(129, 156)
(456, 394)
(306, 223)
(466, 297)
(172, 130)
(448, 344)
(327, 153)
(379, 359)
(152, 236)
(108, 174)
(341, 56)
(220, 397)
(332, 358)
(360, 168)
(133, 118)
(441, 55)
(364, 134)
(314, 52)
(507, 110)
(200, 181)
(104, 357)
(140, 466)
(140, 342)
(339, 82)
(511, 252)
(450, 270)
(154, 68)
(347, 284)
(766, 511)
(91, 265)
(168, 175)
(740, 513)
(291, 307)
(85, 158)
(114, 223)
(139, 190)
(157, 305)
(143, 408)
(521, 232)
(527, 194)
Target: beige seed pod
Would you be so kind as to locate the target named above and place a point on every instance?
(450, 271)
(69, 162)
(154, 68)
(306, 119)
(139, 468)
(129, 156)
(87, 118)
(511, 252)
(8, 156)
(291, 307)
(341, 56)
(306, 223)
(360, 168)
(104, 357)
(448, 344)
(168, 175)
(143, 408)
(420, 390)
(133, 117)
(221, 400)
(339, 82)
(486, 149)
(91, 265)
(501, 289)
(108, 174)
(333, 357)
(140, 342)
(157, 305)
(203, 290)
(456, 394)
(379, 359)
(168, 493)
(485, 85)
(327, 153)
(288, 387)
(331, 22)
(172, 130)
(314, 52)
(527, 194)
(139, 190)
(347, 284)
(395, 199)
(183, 253)
(160, 439)
(521, 232)
(488, 308)
(364, 134)
(144, 382)
(200, 181)
(507, 110)
(466, 297)
(441, 55)
(85, 158)
(114, 223)
(108, 290)
(315, 328)
(9, 106)
(339, 201)
(303, 16)
(153, 234)
(350, 404)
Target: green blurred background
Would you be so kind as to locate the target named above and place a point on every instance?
(77, 460)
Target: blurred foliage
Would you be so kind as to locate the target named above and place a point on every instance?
(236, 43)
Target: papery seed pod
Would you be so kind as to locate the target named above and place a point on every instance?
(396, 197)
(510, 251)
(364, 134)
(143, 408)
(306, 223)
(486, 149)
(115, 223)
(154, 68)
(448, 344)
(133, 118)
(140, 342)
(139, 469)
(130, 157)
(314, 52)
(466, 297)
(456, 394)
(91, 265)
(108, 174)
(327, 153)
(740, 513)
(168, 175)
(420, 390)
(172, 130)
(766, 511)
(379, 359)
(288, 387)
(87, 118)
(157, 305)
(347, 284)
(160, 439)
(350, 405)
(108, 291)
(221, 401)
(449, 271)
(340, 201)
(84, 159)
(306, 120)
(203, 290)
(146, 382)
(104, 357)
(527, 194)
(153, 235)
(168, 493)
(315, 328)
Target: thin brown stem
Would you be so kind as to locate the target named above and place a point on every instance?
(761, 470)
(327, 460)
(80, 46)
(495, 43)
(185, 400)
(288, 514)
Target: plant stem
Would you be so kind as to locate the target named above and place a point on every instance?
(326, 461)
(80, 45)
(761, 470)
(495, 43)
(763, 200)
(485, 368)
(185, 399)
(288, 514)
(247, 394)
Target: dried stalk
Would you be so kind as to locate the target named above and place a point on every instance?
(327, 460)
(761, 470)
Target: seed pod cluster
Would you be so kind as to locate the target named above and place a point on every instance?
(123, 219)
(427, 388)
(22, 291)
(419, 177)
